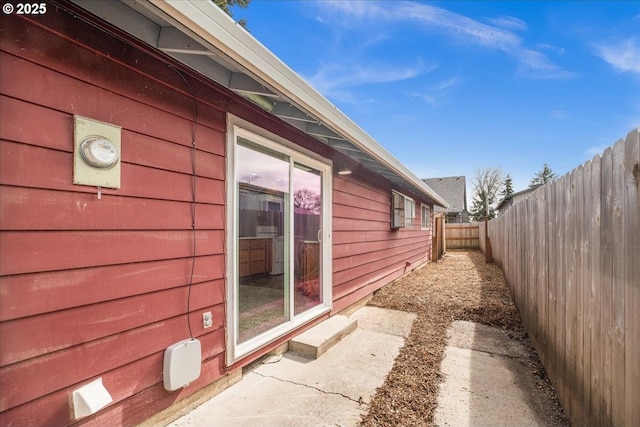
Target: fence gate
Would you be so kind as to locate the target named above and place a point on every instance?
(462, 236)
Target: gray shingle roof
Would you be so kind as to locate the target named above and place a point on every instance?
(452, 189)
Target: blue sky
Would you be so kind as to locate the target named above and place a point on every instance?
(451, 87)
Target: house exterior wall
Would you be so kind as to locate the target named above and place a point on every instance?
(367, 254)
(98, 287)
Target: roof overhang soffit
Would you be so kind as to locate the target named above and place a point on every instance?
(183, 29)
(185, 48)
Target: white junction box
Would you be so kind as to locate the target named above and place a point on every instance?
(182, 363)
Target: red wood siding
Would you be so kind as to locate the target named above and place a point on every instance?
(367, 253)
(99, 287)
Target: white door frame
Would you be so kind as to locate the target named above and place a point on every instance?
(237, 127)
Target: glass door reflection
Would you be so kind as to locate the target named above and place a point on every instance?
(263, 199)
(279, 245)
(307, 216)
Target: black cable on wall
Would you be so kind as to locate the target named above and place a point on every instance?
(193, 193)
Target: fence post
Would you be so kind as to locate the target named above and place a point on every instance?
(487, 243)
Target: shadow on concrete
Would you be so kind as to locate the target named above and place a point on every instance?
(492, 375)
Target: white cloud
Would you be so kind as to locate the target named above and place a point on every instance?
(508, 23)
(331, 79)
(534, 64)
(427, 96)
(436, 92)
(446, 84)
(623, 55)
(365, 14)
(456, 26)
(555, 49)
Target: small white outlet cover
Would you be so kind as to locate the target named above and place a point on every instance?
(207, 320)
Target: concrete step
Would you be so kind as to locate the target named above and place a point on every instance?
(317, 340)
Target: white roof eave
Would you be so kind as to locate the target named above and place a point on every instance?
(210, 23)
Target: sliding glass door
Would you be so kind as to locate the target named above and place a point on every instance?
(281, 224)
(263, 197)
(307, 257)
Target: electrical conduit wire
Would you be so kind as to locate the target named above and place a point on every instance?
(193, 193)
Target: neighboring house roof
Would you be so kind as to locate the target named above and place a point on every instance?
(200, 35)
(453, 189)
(515, 197)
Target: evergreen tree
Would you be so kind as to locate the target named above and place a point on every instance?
(479, 207)
(227, 5)
(545, 175)
(487, 184)
(507, 187)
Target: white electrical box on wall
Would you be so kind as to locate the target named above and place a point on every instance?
(97, 153)
(182, 362)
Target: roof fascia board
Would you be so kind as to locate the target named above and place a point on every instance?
(210, 23)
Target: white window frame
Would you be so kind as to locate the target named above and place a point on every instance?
(238, 127)
(409, 212)
(425, 216)
(402, 217)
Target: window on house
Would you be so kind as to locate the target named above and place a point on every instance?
(402, 210)
(397, 210)
(425, 216)
(409, 212)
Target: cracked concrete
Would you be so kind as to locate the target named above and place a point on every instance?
(333, 390)
(359, 401)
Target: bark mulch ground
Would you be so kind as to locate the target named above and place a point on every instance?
(461, 286)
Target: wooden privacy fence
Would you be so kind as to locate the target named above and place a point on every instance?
(461, 236)
(571, 256)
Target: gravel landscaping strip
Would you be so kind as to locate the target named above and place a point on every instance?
(461, 286)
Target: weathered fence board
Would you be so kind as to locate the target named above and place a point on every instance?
(617, 295)
(631, 203)
(596, 296)
(578, 276)
(561, 325)
(586, 290)
(606, 271)
(570, 255)
(543, 313)
(462, 236)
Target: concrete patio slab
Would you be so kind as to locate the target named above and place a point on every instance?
(385, 321)
(488, 381)
(333, 390)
